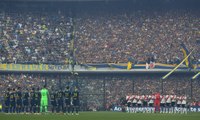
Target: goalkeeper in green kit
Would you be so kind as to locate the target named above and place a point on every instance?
(44, 99)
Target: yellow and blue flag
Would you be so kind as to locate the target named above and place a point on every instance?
(130, 62)
(129, 65)
(185, 54)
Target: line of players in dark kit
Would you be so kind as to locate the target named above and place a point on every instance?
(61, 101)
(65, 101)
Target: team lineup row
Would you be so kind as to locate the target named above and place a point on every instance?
(16, 101)
(156, 103)
(151, 98)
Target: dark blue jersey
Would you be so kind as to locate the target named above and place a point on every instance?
(75, 95)
(18, 95)
(32, 95)
(12, 97)
(25, 96)
(53, 96)
(60, 95)
(7, 96)
(37, 96)
(67, 94)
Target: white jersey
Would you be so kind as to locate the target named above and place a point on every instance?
(128, 98)
(139, 99)
(145, 98)
(142, 98)
(151, 97)
(173, 98)
(178, 100)
(168, 97)
(134, 97)
(163, 100)
(184, 98)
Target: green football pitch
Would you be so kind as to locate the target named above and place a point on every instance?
(102, 116)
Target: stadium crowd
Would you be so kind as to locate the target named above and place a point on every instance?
(32, 37)
(92, 88)
(137, 34)
(28, 37)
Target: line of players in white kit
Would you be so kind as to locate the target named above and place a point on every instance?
(147, 104)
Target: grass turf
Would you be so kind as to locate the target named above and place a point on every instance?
(102, 116)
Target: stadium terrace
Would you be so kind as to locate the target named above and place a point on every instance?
(132, 57)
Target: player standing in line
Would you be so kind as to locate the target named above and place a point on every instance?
(44, 99)
(157, 103)
(19, 100)
(12, 101)
(131, 107)
(168, 103)
(33, 101)
(173, 97)
(38, 100)
(60, 96)
(53, 100)
(151, 97)
(75, 98)
(67, 100)
(179, 104)
(163, 104)
(134, 103)
(128, 99)
(145, 100)
(139, 103)
(26, 101)
(7, 100)
(183, 105)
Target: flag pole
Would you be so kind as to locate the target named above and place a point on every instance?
(195, 76)
(164, 77)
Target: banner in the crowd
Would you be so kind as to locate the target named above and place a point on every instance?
(191, 109)
(119, 66)
(136, 66)
(33, 67)
(25, 67)
(58, 67)
(92, 67)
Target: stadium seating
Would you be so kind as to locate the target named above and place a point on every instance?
(139, 34)
(99, 37)
(31, 37)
